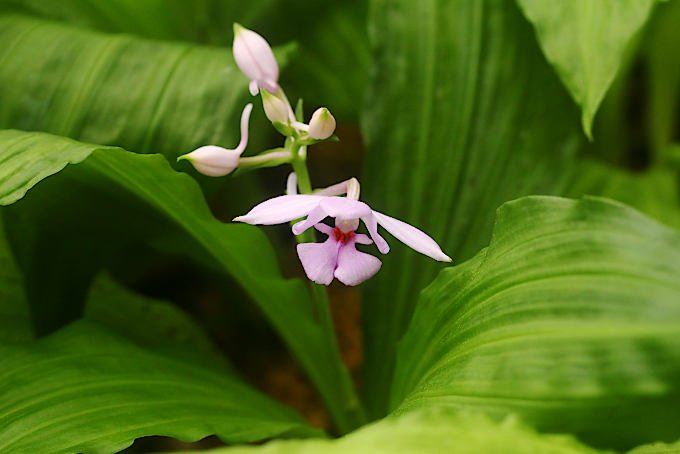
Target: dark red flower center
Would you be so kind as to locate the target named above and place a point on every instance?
(342, 237)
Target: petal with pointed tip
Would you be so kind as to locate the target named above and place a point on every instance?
(281, 209)
(412, 237)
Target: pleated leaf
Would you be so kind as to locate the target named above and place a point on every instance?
(431, 431)
(655, 191)
(570, 318)
(150, 323)
(131, 199)
(85, 389)
(464, 114)
(143, 95)
(586, 41)
(15, 322)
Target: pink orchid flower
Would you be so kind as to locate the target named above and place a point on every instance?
(338, 257)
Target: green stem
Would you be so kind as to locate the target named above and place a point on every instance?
(348, 413)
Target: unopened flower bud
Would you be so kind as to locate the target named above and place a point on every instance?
(212, 160)
(215, 161)
(278, 110)
(322, 124)
(256, 60)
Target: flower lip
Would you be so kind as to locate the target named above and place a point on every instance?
(341, 236)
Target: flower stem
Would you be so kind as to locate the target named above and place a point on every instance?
(348, 413)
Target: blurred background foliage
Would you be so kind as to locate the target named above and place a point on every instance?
(445, 109)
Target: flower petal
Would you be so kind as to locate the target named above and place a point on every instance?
(315, 216)
(319, 260)
(253, 88)
(344, 208)
(372, 225)
(323, 228)
(281, 209)
(354, 267)
(245, 116)
(412, 237)
(291, 184)
(362, 239)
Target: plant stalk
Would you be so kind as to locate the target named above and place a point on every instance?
(351, 414)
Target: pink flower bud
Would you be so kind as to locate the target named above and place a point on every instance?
(215, 161)
(278, 110)
(256, 60)
(322, 124)
(212, 160)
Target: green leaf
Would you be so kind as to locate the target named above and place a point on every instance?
(570, 318)
(431, 431)
(15, 322)
(657, 448)
(143, 95)
(153, 324)
(331, 67)
(660, 50)
(132, 199)
(457, 123)
(85, 389)
(654, 192)
(585, 41)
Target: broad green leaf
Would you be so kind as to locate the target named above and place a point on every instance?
(464, 114)
(157, 18)
(205, 21)
(15, 322)
(662, 54)
(132, 199)
(331, 67)
(655, 192)
(585, 41)
(430, 431)
(143, 95)
(570, 318)
(85, 389)
(150, 323)
(657, 448)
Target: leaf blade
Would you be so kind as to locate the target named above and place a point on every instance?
(166, 210)
(585, 42)
(569, 318)
(84, 389)
(473, 131)
(431, 431)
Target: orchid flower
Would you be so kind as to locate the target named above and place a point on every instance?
(338, 257)
(255, 58)
(215, 161)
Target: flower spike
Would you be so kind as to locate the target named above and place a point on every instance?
(255, 58)
(215, 161)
